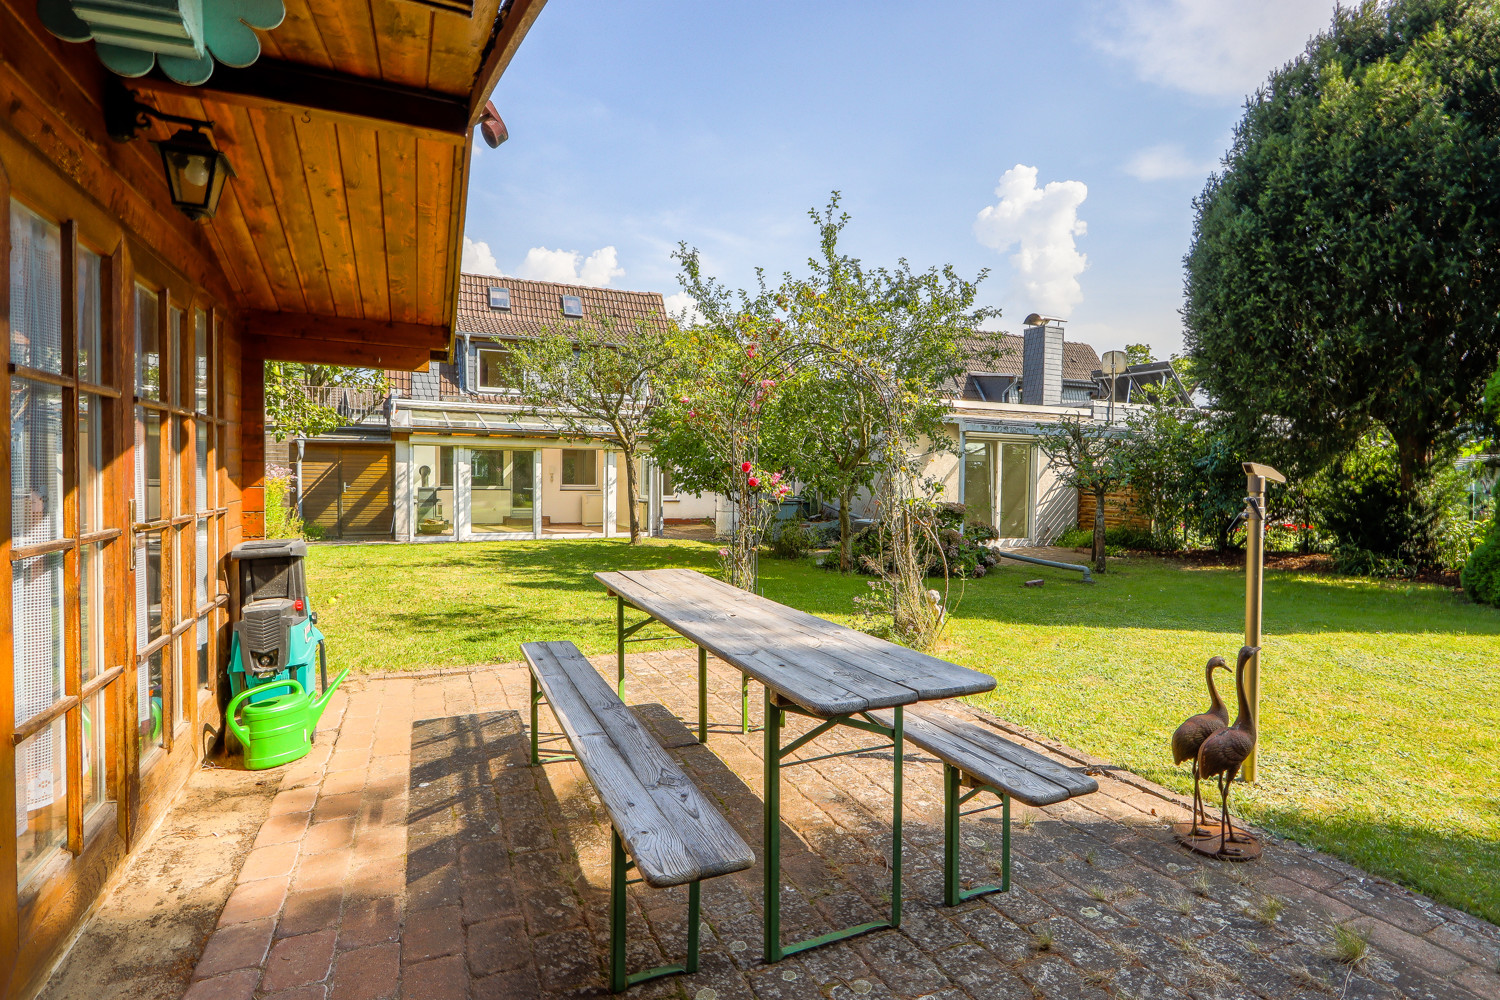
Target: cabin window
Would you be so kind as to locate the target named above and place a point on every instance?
(61, 404)
(580, 468)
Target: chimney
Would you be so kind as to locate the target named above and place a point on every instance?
(1042, 361)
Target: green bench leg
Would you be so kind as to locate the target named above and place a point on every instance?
(620, 645)
(745, 703)
(619, 979)
(536, 696)
(953, 797)
(702, 695)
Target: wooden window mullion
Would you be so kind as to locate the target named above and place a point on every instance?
(72, 558)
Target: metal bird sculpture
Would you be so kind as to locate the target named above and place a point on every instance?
(1191, 734)
(1221, 754)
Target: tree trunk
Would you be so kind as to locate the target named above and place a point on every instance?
(630, 495)
(846, 540)
(1098, 529)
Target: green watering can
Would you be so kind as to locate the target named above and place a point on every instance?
(278, 730)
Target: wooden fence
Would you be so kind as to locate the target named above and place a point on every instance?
(1119, 509)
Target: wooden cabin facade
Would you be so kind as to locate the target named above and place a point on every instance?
(136, 342)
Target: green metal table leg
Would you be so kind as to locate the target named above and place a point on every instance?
(620, 644)
(771, 832)
(702, 695)
(897, 737)
(618, 979)
(694, 925)
(745, 703)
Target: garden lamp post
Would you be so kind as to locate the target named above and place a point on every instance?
(1255, 564)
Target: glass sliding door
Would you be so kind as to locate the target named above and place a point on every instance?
(500, 490)
(979, 482)
(1015, 490)
(432, 476)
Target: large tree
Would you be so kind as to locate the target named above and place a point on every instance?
(883, 350)
(1091, 458)
(1345, 266)
(601, 380)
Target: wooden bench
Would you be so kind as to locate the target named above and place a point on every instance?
(983, 761)
(673, 834)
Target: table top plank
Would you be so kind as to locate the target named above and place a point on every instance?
(930, 676)
(672, 831)
(823, 667)
(809, 682)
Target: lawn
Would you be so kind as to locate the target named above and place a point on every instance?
(1381, 701)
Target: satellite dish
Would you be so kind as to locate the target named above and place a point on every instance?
(492, 127)
(1115, 363)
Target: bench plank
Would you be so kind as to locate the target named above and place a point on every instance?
(993, 760)
(673, 832)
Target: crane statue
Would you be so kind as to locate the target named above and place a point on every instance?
(1221, 755)
(1191, 734)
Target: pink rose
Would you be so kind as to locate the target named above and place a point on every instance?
(750, 351)
(775, 477)
(754, 482)
(745, 467)
(766, 383)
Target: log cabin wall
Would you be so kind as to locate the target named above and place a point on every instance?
(136, 344)
(123, 471)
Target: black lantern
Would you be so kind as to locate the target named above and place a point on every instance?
(196, 172)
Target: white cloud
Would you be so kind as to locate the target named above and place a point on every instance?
(682, 307)
(1213, 48)
(571, 267)
(1043, 222)
(1164, 163)
(478, 258)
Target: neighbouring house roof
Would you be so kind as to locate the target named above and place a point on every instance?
(1079, 360)
(537, 305)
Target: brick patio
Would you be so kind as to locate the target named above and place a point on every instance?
(415, 854)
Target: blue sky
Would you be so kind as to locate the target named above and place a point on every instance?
(1059, 144)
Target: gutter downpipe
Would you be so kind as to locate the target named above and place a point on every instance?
(1088, 577)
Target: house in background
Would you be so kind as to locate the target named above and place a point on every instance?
(991, 460)
(453, 453)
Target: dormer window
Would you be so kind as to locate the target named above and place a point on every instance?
(572, 306)
(499, 298)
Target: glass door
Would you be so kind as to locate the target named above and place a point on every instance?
(1015, 490)
(523, 494)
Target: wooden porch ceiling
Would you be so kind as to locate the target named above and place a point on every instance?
(342, 229)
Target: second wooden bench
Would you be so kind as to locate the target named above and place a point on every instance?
(671, 831)
(981, 760)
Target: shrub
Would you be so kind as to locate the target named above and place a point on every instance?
(281, 518)
(1481, 573)
(965, 552)
(1378, 528)
(1118, 538)
(793, 539)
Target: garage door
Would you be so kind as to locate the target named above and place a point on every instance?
(348, 493)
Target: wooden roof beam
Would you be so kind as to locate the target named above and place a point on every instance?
(295, 89)
(333, 352)
(345, 330)
(518, 21)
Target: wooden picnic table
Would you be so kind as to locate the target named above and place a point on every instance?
(808, 666)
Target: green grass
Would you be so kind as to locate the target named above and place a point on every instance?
(1381, 701)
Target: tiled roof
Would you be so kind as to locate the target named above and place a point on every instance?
(1079, 360)
(535, 305)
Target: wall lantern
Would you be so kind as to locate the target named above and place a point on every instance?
(196, 170)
